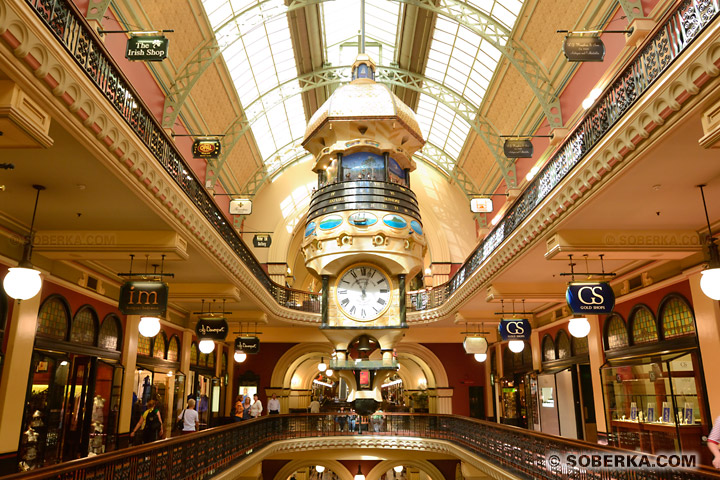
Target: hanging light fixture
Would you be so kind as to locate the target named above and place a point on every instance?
(516, 346)
(240, 356)
(322, 366)
(23, 282)
(206, 346)
(359, 475)
(710, 280)
(149, 326)
(398, 468)
(329, 372)
(579, 327)
(319, 468)
(480, 357)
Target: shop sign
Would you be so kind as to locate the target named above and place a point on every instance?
(240, 206)
(481, 205)
(515, 328)
(518, 148)
(211, 328)
(143, 298)
(262, 240)
(584, 49)
(147, 48)
(249, 345)
(590, 298)
(206, 148)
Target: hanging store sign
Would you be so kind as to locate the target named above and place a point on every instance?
(590, 298)
(584, 49)
(249, 345)
(143, 298)
(240, 206)
(147, 48)
(262, 240)
(206, 148)
(515, 328)
(211, 328)
(481, 205)
(518, 148)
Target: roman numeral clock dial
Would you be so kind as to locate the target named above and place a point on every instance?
(363, 293)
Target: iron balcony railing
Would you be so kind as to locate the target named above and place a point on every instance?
(203, 454)
(670, 39)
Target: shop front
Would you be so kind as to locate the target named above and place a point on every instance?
(73, 397)
(515, 386)
(206, 387)
(653, 382)
(157, 377)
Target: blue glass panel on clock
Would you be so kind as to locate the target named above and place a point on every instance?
(394, 221)
(417, 228)
(363, 166)
(309, 229)
(328, 223)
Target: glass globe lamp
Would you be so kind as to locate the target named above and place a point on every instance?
(480, 357)
(22, 283)
(240, 356)
(709, 283)
(206, 346)
(579, 327)
(516, 346)
(149, 326)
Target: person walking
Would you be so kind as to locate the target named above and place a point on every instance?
(256, 408)
(246, 409)
(239, 409)
(274, 405)
(150, 423)
(189, 418)
(713, 443)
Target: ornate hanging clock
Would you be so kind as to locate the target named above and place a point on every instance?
(363, 292)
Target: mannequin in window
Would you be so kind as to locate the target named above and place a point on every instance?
(98, 408)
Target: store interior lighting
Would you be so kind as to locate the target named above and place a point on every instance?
(322, 366)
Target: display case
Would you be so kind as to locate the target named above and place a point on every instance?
(656, 403)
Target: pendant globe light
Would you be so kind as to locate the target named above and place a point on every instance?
(149, 326)
(359, 475)
(710, 280)
(23, 282)
(480, 357)
(579, 327)
(516, 346)
(322, 366)
(240, 356)
(206, 346)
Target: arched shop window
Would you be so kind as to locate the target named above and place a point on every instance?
(642, 325)
(159, 346)
(562, 343)
(84, 326)
(676, 317)
(548, 349)
(193, 354)
(54, 318)
(144, 345)
(173, 351)
(616, 335)
(579, 346)
(526, 356)
(210, 360)
(109, 336)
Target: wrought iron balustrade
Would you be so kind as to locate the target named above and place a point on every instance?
(672, 38)
(209, 452)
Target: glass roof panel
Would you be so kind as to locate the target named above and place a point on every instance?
(464, 62)
(255, 38)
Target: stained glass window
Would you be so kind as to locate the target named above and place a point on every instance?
(224, 362)
(143, 345)
(579, 345)
(644, 329)
(526, 356)
(548, 348)
(193, 354)
(562, 343)
(109, 333)
(173, 349)
(83, 327)
(159, 346)
(617, 336)
(53, 319)
(211, 360)
(676, 318)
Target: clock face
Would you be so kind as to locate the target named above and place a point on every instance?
(363, 293)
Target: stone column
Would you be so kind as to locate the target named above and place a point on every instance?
(185, 359)
(597, 358)
(129, 361)
(16, 370)
(707, 322)
(230, 388)
(536, 350)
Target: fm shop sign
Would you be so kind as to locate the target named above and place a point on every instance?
(590, 298)
(515, 328)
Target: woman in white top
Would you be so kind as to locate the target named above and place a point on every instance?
(189, 417)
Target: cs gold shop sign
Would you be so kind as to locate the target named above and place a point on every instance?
(143, 298)
(515, 328)
(206, 148)
(590, 298)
